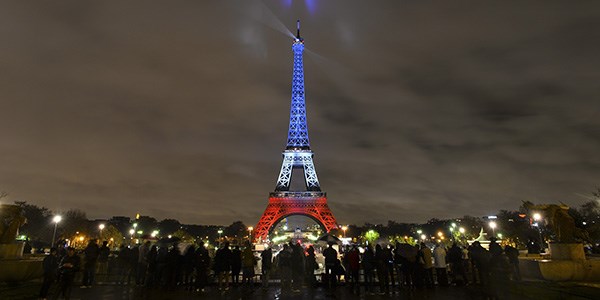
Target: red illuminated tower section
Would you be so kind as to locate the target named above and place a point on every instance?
(288, 199)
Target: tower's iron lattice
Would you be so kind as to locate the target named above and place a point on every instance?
(310, 202)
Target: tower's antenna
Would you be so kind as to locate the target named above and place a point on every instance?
(298, 27)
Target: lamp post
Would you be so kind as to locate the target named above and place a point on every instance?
(493, 227)
(101, 227)
(56, 220)
(537, 217)
(250, 232)
(220, 231)
(344, 228)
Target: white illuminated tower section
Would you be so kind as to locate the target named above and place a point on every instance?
(310, 201)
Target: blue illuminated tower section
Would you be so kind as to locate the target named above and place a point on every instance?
(297, 154)
(310, 200)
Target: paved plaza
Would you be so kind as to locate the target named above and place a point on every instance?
(523, 290)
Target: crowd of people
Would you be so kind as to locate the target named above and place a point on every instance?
(379, 269)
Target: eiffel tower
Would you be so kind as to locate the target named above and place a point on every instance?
(288, 199)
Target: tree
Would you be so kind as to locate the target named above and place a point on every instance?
(74, 221)
(371, 236)
(236, 229)
(147, 224)
(38, 226)
(112, 235)
(184, 236)
(168, 226)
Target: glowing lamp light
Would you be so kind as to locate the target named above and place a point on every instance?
(440, 234)
(461, 230)
(131, 231)
(101, 226)
(57, 219)
(537, 216)
(493, 225)
(423, 237)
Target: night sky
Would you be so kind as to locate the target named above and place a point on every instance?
(416, 109)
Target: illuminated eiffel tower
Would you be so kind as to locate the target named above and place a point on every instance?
(285, 201)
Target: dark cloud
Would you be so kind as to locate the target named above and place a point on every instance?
(416, 109)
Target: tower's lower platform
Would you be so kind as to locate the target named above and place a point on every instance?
(284, 204)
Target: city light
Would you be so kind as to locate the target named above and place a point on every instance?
(423, 237)
(461, 230)
(56, 220)
(440, 234)
(493, 225)
(537, 216)
(344, 228)
(101, 226)
(131, 231)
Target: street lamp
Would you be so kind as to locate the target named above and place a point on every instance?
(101, 227)
(461, 230)
(344, 228)
(56, 220)
(493, 227)
(220, 231)
(250, 232)
(537, 217)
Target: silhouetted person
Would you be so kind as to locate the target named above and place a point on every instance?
(369, 264)
(69, 266)
(481, 260)
(151, 261)
(236, 265)
(310, 265)
(500, 271)
(202, 264)
(513, 257)
(50, 265)
(248, 262)
(188, 267)
(123, 264)
(495, 249)
(331, 260)
(297, 266)
(266, 258)
(456, 265)
(222, 265)
(439, 262)
(103, 254)
(142, 264)
(284, 267)
(382, 257)
(426, 265)
(353, 262)
(91, 252)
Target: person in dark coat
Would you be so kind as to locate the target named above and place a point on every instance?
(310, 265)
(369, 265)
(202, 264)
(266, 258)
(297, 266)
(382, 257)
(151, 260)
(68, 267)
(50, 265)
(103, 254)
(513, 257)
(353, 261)
(91, 252)
(331, 259)
(236, 265)
(222, 265)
